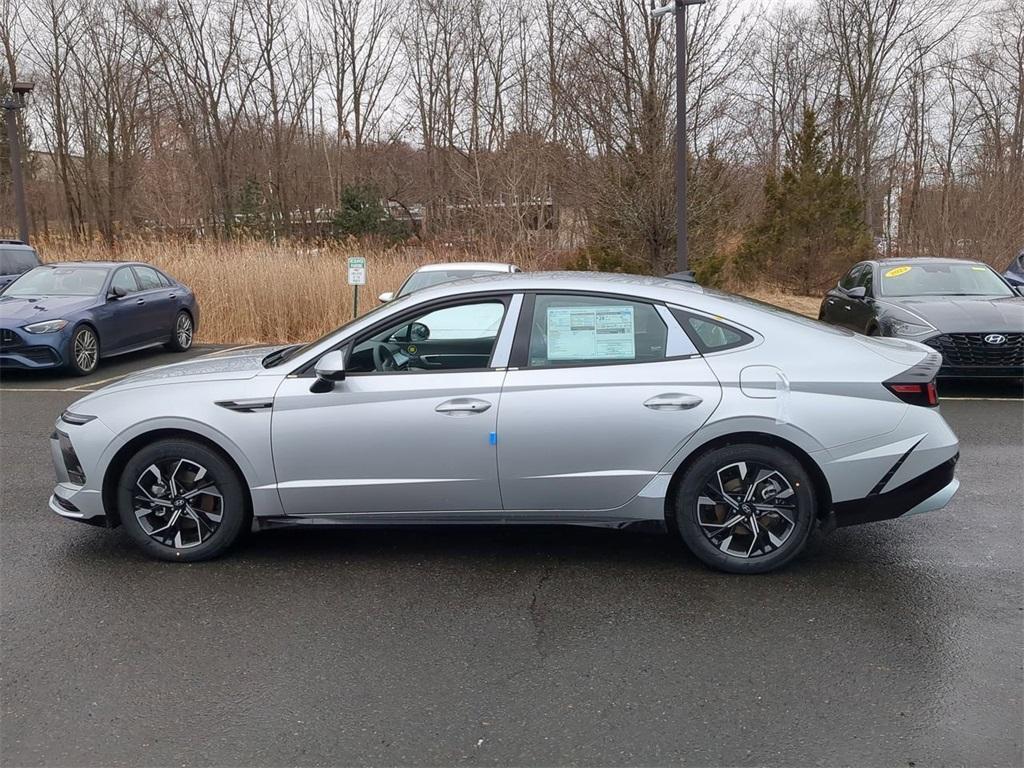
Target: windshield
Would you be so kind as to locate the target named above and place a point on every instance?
(15, 261)
(419, 280)
(284, 354)
(59, 281)
(941, 279)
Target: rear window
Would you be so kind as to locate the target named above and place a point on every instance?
(420, 280)
(15, 261)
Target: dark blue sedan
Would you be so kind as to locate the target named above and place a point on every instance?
(71, 315)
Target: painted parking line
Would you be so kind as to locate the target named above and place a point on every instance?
(985, 399)
(86, 386)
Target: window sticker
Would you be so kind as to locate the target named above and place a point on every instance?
(591, 333)
(897, 271)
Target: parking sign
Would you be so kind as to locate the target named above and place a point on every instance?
(356, 270)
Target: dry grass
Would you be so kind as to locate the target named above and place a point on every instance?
(256, 292)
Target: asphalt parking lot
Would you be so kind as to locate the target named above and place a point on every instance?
(892, 644)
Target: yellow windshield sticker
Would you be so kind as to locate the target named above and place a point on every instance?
(897, 271)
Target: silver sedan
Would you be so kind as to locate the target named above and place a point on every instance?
(562, 398)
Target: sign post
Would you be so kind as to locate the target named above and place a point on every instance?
(356, 277)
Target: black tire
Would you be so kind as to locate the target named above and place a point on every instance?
(780, 535)
(82, 362)
(182, 333)
(194, 530)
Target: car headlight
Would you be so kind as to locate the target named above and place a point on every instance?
(909, 328)
(46, 326)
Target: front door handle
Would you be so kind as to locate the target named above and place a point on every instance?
(462, 406)
(673, 401)
(140, 301)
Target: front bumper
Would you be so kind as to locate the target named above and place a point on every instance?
(27, 351)
(71, 500)
(970, 356)
(925, 493)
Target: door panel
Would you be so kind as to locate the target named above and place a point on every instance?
(590, 438)
(398, 442)
(159, 307)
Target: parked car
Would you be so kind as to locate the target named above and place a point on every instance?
(71, 315)
(600, 400)
(962, 309)
(1014, 273)
(16, 259)
(435, 274)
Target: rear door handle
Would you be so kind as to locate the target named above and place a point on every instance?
(673, 401)
(462, 406)
(140, 301)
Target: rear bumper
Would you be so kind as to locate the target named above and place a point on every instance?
(925, 493)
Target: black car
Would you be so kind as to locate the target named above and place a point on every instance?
(1014, 273)
(963, 309)
(16, 259)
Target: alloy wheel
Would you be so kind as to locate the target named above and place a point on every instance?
(177, 503)
(86, 349)
(747, 509)
(183, 331)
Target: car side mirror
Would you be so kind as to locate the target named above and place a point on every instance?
(859, 292)
(329, 369)
(117, 292)
(387, 296)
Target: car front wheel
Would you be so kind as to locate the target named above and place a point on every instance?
(85, 351)
(181, 500)
(746, 508)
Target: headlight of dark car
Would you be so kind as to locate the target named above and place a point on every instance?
(46, 326)
(905, 327)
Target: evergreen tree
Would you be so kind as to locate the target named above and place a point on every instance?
(360, 214)
(813, 223)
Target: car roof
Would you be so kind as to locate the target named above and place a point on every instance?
(479, 266)
(928, 260)
(594, 282)
(98, 264)
(8, 245)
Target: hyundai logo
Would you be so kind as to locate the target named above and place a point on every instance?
(995, 338)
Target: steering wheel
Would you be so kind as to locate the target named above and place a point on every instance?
(383, 359)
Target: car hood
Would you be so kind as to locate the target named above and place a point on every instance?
(226, 366)
(967, 314)
(14, 309)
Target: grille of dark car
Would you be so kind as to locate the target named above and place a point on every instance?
(971, 350)
(8, 338)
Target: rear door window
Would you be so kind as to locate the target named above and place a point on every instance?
(594, 330)
(147, 277)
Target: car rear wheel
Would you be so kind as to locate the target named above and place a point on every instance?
(184, 330)
(85, 351)
(746, 508)
(180, 500)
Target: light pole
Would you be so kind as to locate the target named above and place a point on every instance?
(682, 228)
(11, 104)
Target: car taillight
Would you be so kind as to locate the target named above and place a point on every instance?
(915, 394)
